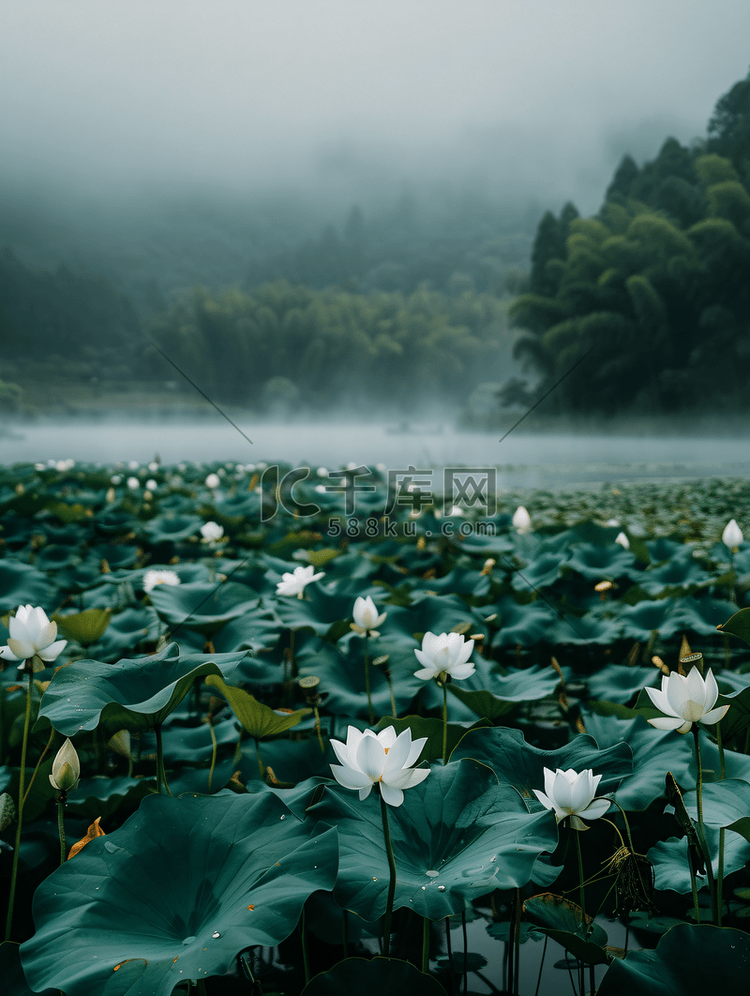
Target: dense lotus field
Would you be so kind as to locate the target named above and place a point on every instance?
(182, 647)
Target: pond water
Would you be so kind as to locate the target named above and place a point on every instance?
(523, 459)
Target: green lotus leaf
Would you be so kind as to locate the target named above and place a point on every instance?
(205, 607)
(385, 976)
(54, 557)
(736, 721)
(127, 630)
(524, 624)
(670, 860)
(566, 923)
(639, 621)
(542, 572)
(318, 610)
(457, 835)
(681, 572)
(688, 959)
(701, 615)
(257, 719)
(522, 765)
(85, 627)
(22, 584)
(256, 630)
(130, 695)
(169, 527)
(102, 796)
(617, 683)
(583, 630)
(738, 625)
(184, 884)
(11, 973)
(490, 694)
(654, 753)
(725, 804)
(597, 562)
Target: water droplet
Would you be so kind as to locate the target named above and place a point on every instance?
(373, 878)
(216, 934)
(315, 866)
(423, 888)
(282, 817)
(112, 848)
(493, 858)
(432, 873)
(189, 940)
(441, 888)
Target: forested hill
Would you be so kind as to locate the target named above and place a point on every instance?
(645, 307)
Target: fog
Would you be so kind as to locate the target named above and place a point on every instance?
(336, 101)
(168, 145)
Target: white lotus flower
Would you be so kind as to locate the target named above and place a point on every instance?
(732, 535)
(445, 656)
(32, 637)
(211, 532)
(152, 578)
(571, 795)
(685, 700)
(521, 519)
(366, 617)
(133, 483)
(213, 481)
(622, 539)
(66, 768)
(296, 582)
(383, 758)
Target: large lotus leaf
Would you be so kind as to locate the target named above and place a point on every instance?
(170, 527)
(11, 973)
(131, 695)
(597, 562)
(459, 581)
(670, 860)
(493, 695)
(22, 584)
(318, 610)
(117, 555)
(404, 627)
(205, 607)
(193, 744)
(655, 752)
(457, 835)
(701, 615)
(102, 796)
(522, 765)
(725, 804)
(384, 976)
(524, 624)
(617, 683)
(663, 549)
(257, 719)
(681, 572)
(584, 630)
(638, 621)
(738, 625)
(212, 875)
(256, 630)
(128, 630)
(688, 959)
(736, 721)
(540, 573)
(54, 557)
(567, 924)
(342, 677)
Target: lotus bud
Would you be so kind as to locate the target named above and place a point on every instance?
(521, 519)
(732, 535)
(66, 768)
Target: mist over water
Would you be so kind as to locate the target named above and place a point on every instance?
(524, 459)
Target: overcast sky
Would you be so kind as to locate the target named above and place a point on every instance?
(112, 96)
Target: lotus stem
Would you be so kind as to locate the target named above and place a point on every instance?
(466, 950)
(21, 784)
(161, 771)
(371, 714)
(39, 762)
(215, 743)
(426, 944)
(392, 883)
(449, 949)
(390, 689)
(722, 835)
(694, 886)
(305, 959)
(581, 892)
(61, 826)
(701, 826)
(318, 730)
(345, 932)
(445, 722)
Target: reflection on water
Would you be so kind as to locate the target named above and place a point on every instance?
(524, 459)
